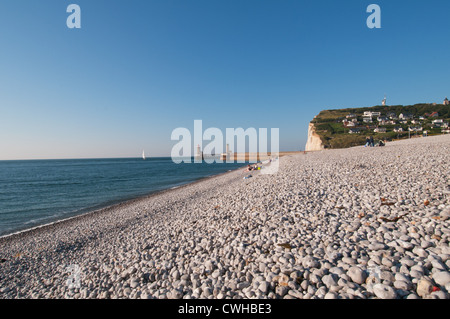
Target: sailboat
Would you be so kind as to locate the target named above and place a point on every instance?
(143, 155)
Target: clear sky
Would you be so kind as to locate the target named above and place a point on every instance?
(136, 69)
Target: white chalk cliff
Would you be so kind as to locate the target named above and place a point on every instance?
(314, 143)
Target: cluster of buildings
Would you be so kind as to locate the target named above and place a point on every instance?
(368, 119)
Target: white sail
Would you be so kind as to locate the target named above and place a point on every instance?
(143, 154)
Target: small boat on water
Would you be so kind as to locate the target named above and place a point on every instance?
(143, 155)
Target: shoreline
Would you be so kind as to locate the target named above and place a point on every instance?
(357, 223)
(114, 205)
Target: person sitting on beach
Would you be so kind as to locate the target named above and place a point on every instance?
(381, 143)
(249, 168)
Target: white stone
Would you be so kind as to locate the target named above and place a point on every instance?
(357, 275)
(384, 291)
(442, 278)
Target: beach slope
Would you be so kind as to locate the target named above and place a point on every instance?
(347, 223)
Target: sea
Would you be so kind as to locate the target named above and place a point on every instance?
(38, 192)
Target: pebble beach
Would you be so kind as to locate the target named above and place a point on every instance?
(358, 223)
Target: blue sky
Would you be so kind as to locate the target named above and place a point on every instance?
(137, 70)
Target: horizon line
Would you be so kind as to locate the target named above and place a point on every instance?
(118, 157)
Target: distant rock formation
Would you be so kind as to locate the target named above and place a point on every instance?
(314, 143)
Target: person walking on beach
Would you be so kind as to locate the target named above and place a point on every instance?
(372, 143)
(367, 142)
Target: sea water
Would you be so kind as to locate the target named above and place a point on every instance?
(37, 192)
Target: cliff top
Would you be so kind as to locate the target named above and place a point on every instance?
(341, 128)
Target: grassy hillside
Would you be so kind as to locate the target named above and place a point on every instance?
(334, 133)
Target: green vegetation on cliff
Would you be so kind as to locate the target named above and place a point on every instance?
(343, 128)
